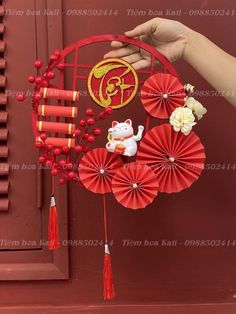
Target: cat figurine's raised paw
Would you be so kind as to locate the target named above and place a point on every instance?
(122, 139)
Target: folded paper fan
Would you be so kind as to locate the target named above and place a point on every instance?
(161, 94)
(177, 159)
(96, 169)
(134, 185)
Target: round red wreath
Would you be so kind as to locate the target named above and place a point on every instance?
(67, 154)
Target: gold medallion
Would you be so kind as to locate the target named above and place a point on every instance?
(112, 82)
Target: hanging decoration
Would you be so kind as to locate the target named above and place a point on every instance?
(169, 157)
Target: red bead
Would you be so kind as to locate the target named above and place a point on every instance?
(78, 148)
(54, 172)
(50, 75)
(71, 175)
(43, 136)
(54, 58)
(50, 147)
(62, 163)
(82, 122)
(42, 159)
(97, 131)
(89, 112)
(31, 79)
(57, 151)
(38, 144)
(20, 97)
(62, 181)
(108, 110)
(90, 139)
(56, 53)
(65, 149)
(48, 163)
(77, 132)
(69, 165)
(45, 83)
(86, 149)
(38, 80)
(38, 64)
(85, 136)
(37, 96)
(60, 66)
(91, 121)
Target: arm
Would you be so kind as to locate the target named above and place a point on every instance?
(213, 63)
(140, 133)
(175, 40)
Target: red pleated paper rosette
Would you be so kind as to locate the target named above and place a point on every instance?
(135, 185)
(177, 159)
(96, 169)
(161, 94)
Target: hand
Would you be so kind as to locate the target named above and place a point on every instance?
(141, 128)
(167, 36)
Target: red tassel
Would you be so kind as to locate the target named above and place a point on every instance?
(53, 229)
(108, 286)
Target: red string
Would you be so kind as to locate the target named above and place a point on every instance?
(52, 185)
(105, 218)
(147, 122)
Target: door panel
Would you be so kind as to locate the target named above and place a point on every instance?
(23, 232)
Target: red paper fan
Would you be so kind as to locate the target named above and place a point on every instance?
(96, 169)
(161, 94)
(177, 159)
(134, 185)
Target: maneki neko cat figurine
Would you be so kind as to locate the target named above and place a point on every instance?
(121, 138)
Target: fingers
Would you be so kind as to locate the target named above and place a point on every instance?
(144, 29)
(118, 44)
(135, 57)
(122, 52)
(141, 64)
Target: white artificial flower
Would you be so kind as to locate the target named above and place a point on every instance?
(189, 88)
(182, 119)
(196, 107)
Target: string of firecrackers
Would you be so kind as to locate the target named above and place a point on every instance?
(51, 148)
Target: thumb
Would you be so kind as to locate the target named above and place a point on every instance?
(146, 28)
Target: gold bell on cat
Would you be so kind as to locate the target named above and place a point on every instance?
(119, 149)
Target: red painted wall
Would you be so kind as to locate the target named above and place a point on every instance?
(154, 274)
